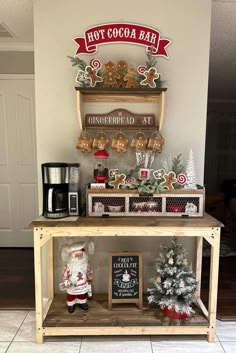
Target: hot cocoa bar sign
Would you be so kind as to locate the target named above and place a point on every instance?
(122, 33)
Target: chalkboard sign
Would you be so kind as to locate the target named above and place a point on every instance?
(125, 278)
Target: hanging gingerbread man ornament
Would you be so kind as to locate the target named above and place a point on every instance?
(170, 179)
(150, 76)
(91, 72)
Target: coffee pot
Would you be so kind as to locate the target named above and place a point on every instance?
(55, 190)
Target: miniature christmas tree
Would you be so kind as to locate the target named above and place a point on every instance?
(175, 283)
(190, 173)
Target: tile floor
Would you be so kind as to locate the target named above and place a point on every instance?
(17, 335)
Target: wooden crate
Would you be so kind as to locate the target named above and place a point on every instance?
(174, 203)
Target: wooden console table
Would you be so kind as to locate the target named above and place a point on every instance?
(52, 318)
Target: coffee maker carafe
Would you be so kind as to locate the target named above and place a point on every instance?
(55, 190)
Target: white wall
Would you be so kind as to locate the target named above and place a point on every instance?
(185, 22)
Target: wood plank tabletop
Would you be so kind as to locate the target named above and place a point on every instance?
(128, 222)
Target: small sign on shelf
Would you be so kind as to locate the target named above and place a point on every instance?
(125, 278)
(121, 118)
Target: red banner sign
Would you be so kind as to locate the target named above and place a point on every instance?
(122, 33)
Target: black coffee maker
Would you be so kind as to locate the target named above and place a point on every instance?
(55, 190)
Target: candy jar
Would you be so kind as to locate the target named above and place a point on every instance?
(100, 172)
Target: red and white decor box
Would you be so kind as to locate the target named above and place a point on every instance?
(174, 203)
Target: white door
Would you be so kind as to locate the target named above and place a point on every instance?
(18, 172)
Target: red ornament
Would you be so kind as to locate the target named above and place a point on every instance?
(101, 154)
(174, 314)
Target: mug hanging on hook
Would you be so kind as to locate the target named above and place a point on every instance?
(84, 142)
(120, 142)
(139, 141)
(101, 141)
(156, 142)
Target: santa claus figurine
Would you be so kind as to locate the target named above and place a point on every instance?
(77, 276)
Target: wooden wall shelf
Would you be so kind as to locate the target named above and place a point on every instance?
(122, 95)
(52, 318)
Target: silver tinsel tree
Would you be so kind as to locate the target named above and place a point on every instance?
(175, 283)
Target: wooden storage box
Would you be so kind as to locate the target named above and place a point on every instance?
(177, 203)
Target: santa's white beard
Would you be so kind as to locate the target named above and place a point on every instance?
(79, 265)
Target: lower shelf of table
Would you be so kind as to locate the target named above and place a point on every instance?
(122, 319)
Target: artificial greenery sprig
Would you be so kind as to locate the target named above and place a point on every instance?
(151, 60)
(177, 166)
(78, 62)
(146, 186)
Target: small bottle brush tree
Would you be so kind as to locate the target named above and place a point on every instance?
(190, 172)
(175, 283)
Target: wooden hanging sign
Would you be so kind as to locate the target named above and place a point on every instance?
(120, 118)
(125, 278)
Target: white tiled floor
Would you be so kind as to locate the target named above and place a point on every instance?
(17, 335)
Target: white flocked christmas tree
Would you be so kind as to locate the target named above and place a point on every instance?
(190, 172)
(174, 283)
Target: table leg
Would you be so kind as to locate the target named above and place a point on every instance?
(199, 244)
(213, 284)
(38, 285)
(50, 269)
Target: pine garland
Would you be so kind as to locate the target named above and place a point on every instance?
(151, 60)
(78, 62)
(175, 284)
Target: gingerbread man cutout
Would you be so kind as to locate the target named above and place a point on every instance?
(151, 75)
(110, 75)
(119, 180)
(91, 74)
(170, 179)
(131, 78)
(122, 71)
